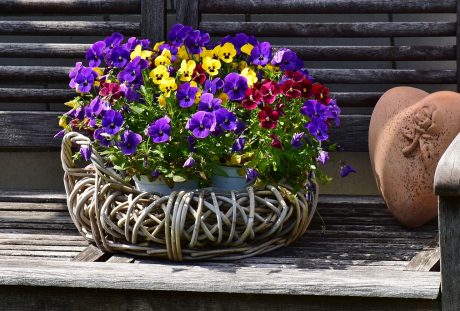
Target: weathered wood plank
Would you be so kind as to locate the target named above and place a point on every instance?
(326, 6)
(34, 242)
(71, 28)
(21, 298)
(39, 253)
(19, 126)
(89, 254)
(164, 277)
(449, 240)
(428, 259)
(447, 175)
(35, 207)
(71, 6)
(375, 53)
(153, 19)
(121, 258)
(32, 196)
(36, 95)
(298, 29)
(33, 73)
(46, 50)
(60, 217)
(187, 13)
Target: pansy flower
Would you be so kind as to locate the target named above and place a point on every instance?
(94, 110)
(164, 58)
(85, 152)
(296, 141)
(305, 88)
(253, 98)
(318, 129)
(209, 103)
(95, 53)
(178, 33)
(239, 143)
(167, 86)
(113, 41)
(225, 119)
(321, 93)
(323, 157)
(119, 57)
(129, 141)
(102, 137)
(139, 52)
(186, 95)
(235, 86)
(112, 121)
(111, 91)
(314, 110)
(251, 175)
(287, 60)
(239, 40)
(227, 52)
(195, 41)
(211, 66)
(291, 89)
(159, 73)
(276, 142)
(211, 86)
(160, 130)
(133, 71)
(133, 42)
(268, 118)
(346, 169)
(201, 124)
(261, 54)
(333, 112)
(250, 76)
(190, 162)
(191, 143)
(85, 79)
(131, 92)
(186, 70)
(73, 74)
(269, 90)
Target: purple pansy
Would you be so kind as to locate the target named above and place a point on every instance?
(190, 162)
(94, 110)
(112, 121)
(95, 53)
(113, 41)
(131, 92)
(132, 42)
(196, 40)
(235, 86)
(84, 80)
(209, 103)
(318, 129)
(119, 57)
(239, 143)
(251, 175)
(225, 119)
(323, 157)
(178, 33)
(132, 72)
(287, 60)
(240, 127)
(296, 141)
(186, 95)
(201, 124)
(85, 152)
(212, 86)
(101, 136)
(73, 73)
(315, 110)
(261, 54)
(333, 112)
(239, 40)
(346, 169)
(129, 141)
(160, 130)
(191, 143)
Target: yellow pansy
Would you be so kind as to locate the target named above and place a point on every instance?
(163, 59)
(162, 101)
(214, 53)
(227, 52)
(250, 76)
(144, 54)
(159, 73)
(223, 97)
(247, 48)
(194, 84)
(182, 53)
(211, 66)
(99, 72)
(63, 121)
(242, 65)
(72, 103)
(167, 85)
(198, 96)
(186, 70)
(156, 48)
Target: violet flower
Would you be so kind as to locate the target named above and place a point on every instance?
(212, 86)
(84, 80)
(190, 162)
(112, 121)
(209, 103)
(73, 74)
(132, 72)
(314, 110)
(113, 41)
(346, 170)
(129, 141)
(323, 157)
(178, 33)
(201, 124)
(160, 130)
(235, 86)
(261, 54)
(131, 92)
(287, 60)
(85, 152)
(251, 175)
(95, 54)
(318, 129)
(103, 139)
(191, 143)
(225, 119)
(195, 41)
(186, 95)
(132, 42)
(119, 57)
(239, 143)
(296, 141)
(94, 110)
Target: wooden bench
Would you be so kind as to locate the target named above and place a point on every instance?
(354, 256)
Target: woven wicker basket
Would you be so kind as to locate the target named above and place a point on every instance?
(192, 225)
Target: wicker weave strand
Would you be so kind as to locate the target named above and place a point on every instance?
(193, 225)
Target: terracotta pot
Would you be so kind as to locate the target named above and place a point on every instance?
(409, 131)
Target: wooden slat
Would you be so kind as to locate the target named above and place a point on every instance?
(375, 53)
(447, 175)
(71, 6)
(153, 19)
(34, 73)
(32, 196)
(428, 258)
(71, 28)
(298, 29)
(187, 13)
(20, 126)
(326, 6)
(12, 95)
(378, 76)
(43, 50)
(415, 285)
(89, 254)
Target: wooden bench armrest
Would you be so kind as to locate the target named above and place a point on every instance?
(447, 176)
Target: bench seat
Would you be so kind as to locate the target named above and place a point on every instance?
(353, 248)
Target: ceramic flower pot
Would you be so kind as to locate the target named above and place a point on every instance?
(159, 185)
(229, 178)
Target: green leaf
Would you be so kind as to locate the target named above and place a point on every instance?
(137, 109)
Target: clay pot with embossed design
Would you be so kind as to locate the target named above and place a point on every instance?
(409, 131)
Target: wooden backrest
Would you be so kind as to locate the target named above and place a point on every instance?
(42, 84)
(353, 132)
